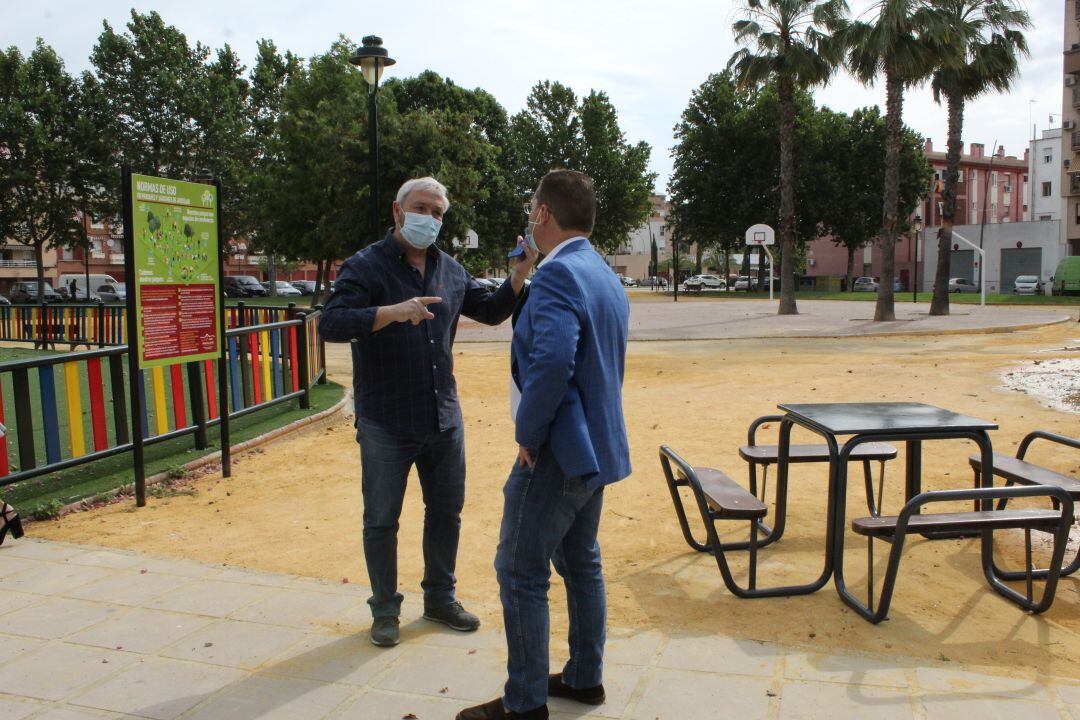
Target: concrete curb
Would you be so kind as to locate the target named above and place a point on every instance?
(323, 417)
(999, 330)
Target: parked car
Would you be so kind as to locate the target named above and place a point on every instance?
(73, 285)
(113, 292)
(1066, 279)
(654, 281)
(704, 282)
(4, 300)
(627, 281)
(865, 284)
(27, 292)
(243, 286)
(1027, 285)
(744, 284)
(306, 287)
(284, 289)
(962, 285)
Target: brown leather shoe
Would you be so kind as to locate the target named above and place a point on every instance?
(494, 710)
(587, 696)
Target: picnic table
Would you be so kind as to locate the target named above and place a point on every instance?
(845, 427)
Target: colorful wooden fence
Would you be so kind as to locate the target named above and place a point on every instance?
(72, 323)
(70, 409)
(103, 325)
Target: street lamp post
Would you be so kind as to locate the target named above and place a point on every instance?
(371, 58)
(915, 271)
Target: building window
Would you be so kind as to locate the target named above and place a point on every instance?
(993, 177)
(1048, 157)
(1044, 217)
(663, 228)
(1046, 189)
(960, 176)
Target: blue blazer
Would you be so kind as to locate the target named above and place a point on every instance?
(568, 358)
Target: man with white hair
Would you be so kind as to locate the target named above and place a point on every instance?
(398, 302)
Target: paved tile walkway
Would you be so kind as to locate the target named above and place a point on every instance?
(92, 633)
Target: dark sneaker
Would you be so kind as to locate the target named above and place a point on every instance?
(494, 710)
(384, 632)
(453, 616)
(588, 696)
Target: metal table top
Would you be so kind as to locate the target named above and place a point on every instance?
(883, 418)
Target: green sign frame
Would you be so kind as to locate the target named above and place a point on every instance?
(175, 277)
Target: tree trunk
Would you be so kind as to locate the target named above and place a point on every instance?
(787, 200)
(850, 267)
(940, 303)
(318, 283)
(699, 254)
(894, 105)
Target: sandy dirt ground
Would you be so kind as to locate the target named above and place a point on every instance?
(295, 506)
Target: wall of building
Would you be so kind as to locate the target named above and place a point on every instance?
(997, 240)
(1070, 121)
(996, 183)
(1044, 173)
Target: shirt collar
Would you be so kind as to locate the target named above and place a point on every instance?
(558, 248)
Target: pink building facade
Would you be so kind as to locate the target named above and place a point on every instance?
(996, 184)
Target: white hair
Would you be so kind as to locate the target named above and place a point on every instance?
(427, 184)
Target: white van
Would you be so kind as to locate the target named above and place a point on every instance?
(64, 285)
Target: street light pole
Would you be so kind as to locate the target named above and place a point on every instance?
(372, 58)
(915, 270)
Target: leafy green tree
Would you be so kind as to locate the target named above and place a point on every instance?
(152, 80)
(978, 45)
(316, 188)
(727, 161)
(890, 45)
(789, 42)
(559, 130)
(51, 156)
(847, 162)
(454, 134)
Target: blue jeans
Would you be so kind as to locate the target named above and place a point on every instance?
(385, 460)
(549, 518)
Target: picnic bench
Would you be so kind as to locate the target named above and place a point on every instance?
(1018, 471)
(718, 497)
(895, 530)
(765, 455)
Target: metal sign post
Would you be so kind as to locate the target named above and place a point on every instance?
(763, 236)
(982, 264)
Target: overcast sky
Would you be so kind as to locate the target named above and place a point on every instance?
(647, 56)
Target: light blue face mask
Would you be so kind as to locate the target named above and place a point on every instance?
(529, 233)
(420, 230)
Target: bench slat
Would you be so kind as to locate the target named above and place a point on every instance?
(961, 521)
(814, 453)
(1025, 473)
(727, 497)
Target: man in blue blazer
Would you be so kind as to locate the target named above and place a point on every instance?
(567, 362)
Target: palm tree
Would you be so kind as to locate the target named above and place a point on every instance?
(789, 42)
(979, 43)
(891, 45)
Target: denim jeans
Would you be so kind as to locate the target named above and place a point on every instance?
(385, 460)
(549, 518)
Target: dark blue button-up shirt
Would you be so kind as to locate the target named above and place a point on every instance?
(403, 375)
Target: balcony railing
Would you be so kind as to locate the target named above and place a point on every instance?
(16, 263)
(1074, 183)
(1076, 96)
(1076, 140)
(115, 259)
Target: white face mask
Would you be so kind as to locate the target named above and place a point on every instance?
(420, 230)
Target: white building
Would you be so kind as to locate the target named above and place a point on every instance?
(1044, 177)
(1012, 249)
(635, 255)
